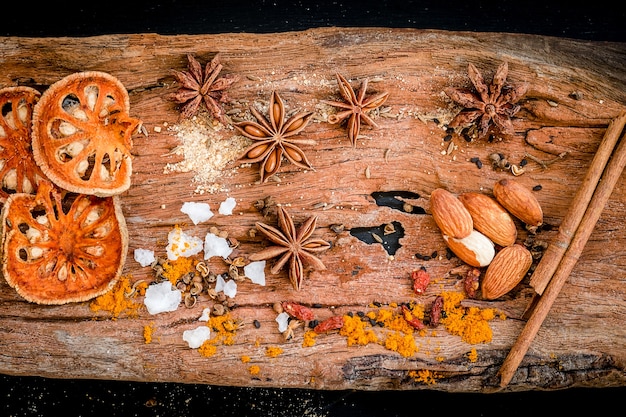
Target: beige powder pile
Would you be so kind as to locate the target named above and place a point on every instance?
(208, 150)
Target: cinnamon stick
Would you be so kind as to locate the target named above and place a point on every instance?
(550, 259)
(596, 205)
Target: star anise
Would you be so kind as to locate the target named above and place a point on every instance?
(491, 104)
(275, 138)
(292, 245)
(198, 85)
(357, 107)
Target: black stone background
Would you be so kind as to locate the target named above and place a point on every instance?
(597, 20)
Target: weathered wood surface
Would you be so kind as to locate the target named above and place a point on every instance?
(582, 342)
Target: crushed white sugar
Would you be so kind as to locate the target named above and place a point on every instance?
(145, 257)
(255, 271)
(180, 244)
(197, 212)
(205, 314)
(216, 246)
(162, 297)
(283, 321)
(229, 288)
(227, 206)
(207, 150)
(196, 337)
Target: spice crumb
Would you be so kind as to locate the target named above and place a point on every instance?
(207, 150)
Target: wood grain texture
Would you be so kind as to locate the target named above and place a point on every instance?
(581, 343)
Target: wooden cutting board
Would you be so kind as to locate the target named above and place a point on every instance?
(575, 89)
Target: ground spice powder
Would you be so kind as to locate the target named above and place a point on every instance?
(116, 302)
(471, 323)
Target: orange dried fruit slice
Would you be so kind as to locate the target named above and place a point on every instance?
(19, 173)
(82, 134)
(60, 247)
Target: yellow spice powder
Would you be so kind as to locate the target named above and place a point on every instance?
(309, 338)
(471, 323)
(354, 329)
(273, 351)
(116, 302)
(174, 270)
(147, 333)
(225, 330)
(425, 376)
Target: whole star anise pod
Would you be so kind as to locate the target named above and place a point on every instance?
(494, 104)
(198, 85)
(275, 138)
(292, 245)
(357, 107)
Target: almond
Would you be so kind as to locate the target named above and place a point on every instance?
(475, 249)
(507, 269)
(490, 218)
(519, 201)
(450, 214)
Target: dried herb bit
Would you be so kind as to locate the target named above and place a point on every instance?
(198, 85)
(355, 108)
(292, 245)
(273, 138)
(490, 104)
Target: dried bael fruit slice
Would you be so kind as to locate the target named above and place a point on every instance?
(60, 247)
(82, 134)
(18, 171)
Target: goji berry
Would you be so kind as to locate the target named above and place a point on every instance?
(298, 311)
(436, 310)
(470, 282)
(409, 318)
(421, 279)
(333, 323)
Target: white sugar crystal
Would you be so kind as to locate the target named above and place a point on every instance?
(219, 284)
(283, 320)
(162, 297)
(145, 257)
(197, 212)
(216, 246)
(180, 244)
(230, 288)
(205, 314)
(255, 271)
(196, 337)
(227, 206)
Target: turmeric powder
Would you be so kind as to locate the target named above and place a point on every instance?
(116, 301)
(148, 330)
(225, 329)
(472, 355)
(273, 351)
(471, 323)
(309, 338)
(174, 270)
(424, 376)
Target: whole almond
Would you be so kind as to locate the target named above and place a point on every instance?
(450, 214)
(490, 218)
(475, 249)
(519, 201)
(507, 269)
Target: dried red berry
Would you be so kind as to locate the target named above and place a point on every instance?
(333, 323)
(298, 311)
(470, 282)
(435, 311)
(421, 279)
(412, 320)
